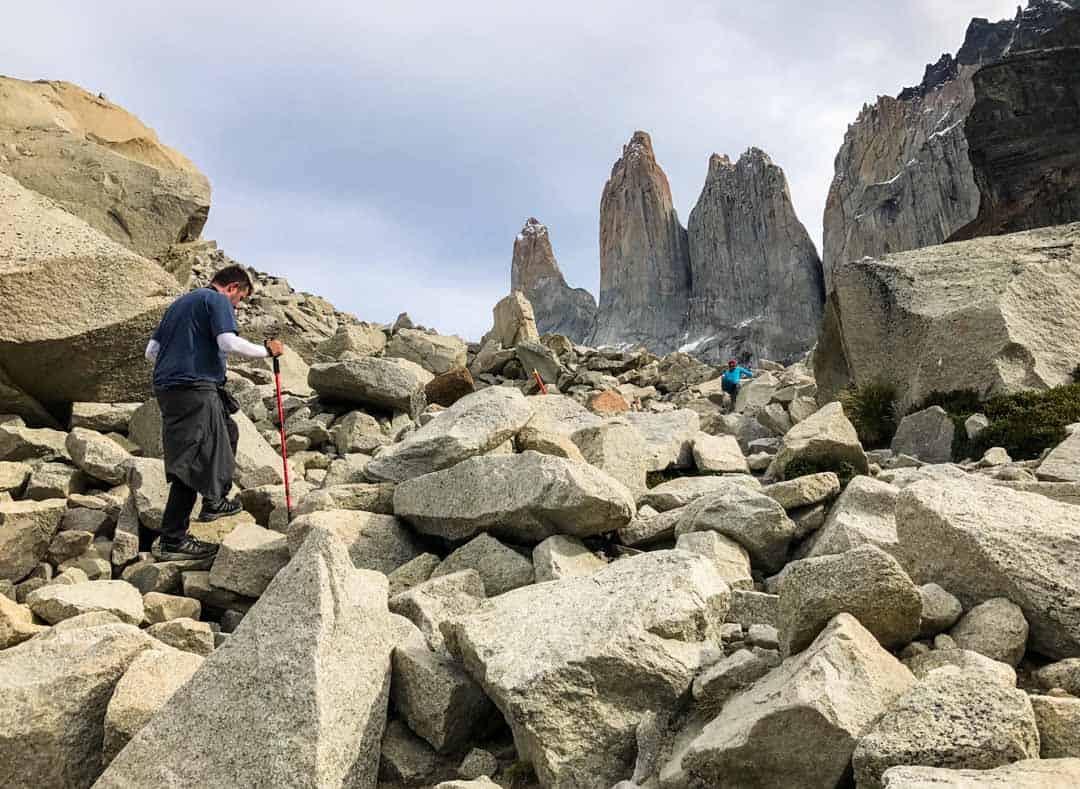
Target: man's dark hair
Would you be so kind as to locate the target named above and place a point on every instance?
(230, 274)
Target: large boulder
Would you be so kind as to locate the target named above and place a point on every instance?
(318, 643)
(57, 602)
(256, 461)
(1058, 719)
(100, 163)
(355, 339)
(19, 442)
(669, 437)
(926, 435)
(148, 683)
(748, 516)
(75, 307)
(592, 655)
(54, 692)
(799, 724)
(393, 384)
(515, 321)
(683, 490)
(943, 318)
(249, 558)
(865, 514)
(375, 542)
(616, 448)
(865, 582)
(966, 536)
(527, 497)
(996, 629)
(434, 352)
(27, 529)
(827, 437)
(1063, 462)
(952, 719)
(1025, 774)
(475, 424)
(97, 455)
(500, 567)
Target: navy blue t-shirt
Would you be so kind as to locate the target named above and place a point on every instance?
(188, 336)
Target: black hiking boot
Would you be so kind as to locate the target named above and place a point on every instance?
(184, 549)
(221, 509)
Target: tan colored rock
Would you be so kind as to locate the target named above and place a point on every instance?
(559, 557)
(375, 542)
(148, 683)
(1058, 720)
(514, 321)
(996, 628)
(16, 623)
(26, 531)
(951, 322)
(827, 436)
(43, 338)
(359, 339)
(719, 455)
(616, 448)
(100, 163)
(58, 602)
(1025, 774)
(436, 353)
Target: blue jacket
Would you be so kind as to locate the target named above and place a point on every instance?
(732, 377)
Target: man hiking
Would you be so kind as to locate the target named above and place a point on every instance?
(199, 437)
(731, 378)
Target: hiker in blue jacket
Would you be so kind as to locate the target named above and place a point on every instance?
(732, 377)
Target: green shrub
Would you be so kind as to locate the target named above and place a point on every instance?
(872, 410)
(802, 467)
(1027, 423)
(1076, 374)
(959, 402)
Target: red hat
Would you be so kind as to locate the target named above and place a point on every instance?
(731, 362)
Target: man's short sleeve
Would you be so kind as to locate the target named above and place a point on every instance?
(222, 319)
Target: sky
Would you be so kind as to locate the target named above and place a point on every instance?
(384, 155)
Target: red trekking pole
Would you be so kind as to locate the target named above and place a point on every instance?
(281, 423)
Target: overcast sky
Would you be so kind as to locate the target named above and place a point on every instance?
(385, 154)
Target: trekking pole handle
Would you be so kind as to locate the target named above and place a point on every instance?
(277, 365)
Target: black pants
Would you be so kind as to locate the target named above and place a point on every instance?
(174, 523)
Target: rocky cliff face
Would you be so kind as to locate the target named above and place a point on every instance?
(644, 255)
(757, 280)
(559, 309)
(101, 163)
(903, 176)
(1024, 137)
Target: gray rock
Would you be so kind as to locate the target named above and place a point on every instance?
(747, 516)
(1064, 674)
(763, 636)
(953, 719)
(103, 417)
(865, 582)
(719, 455)
(475, 424)
(827, 436)
(593, 654)
(500, 568)
(16, 623)
(975, 424)
(804, 491)
(562, 557)
(731, 559)
(683, 490)
(479, 783)
(185, 634)
(728, 676)
(358, 432)
(927, 435)
(148, 683)
(27, 529)
(433, 352)
(355, 339)
(365, 496)
(396, 384)
(196, 585)
(963, 535)
(59, 602)
(430, 603)
(68, 545)
(320, 638)
(534, 356)
(256, 461)
(55, 481)
(375, 542)
(160, 607)
(435, 696)
(404, 757)
(1025, 774)
(863, 515)
(249, 558)
(18, 442)
(669, 437)
(744, 427)
(98, 456)
(750, 608)
(54, 693)
(650, 527)
(1058, 720)
(149, 489)
(940, 610)
(526, 497)
(13, 476)
(413, 572)
(826, 696)
(478, 763)
(514, 319)
(1063, 462)
(644, 256)
(616, 448)
(996, 628)
(922, 665)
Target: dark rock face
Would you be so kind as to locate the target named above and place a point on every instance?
(559, 309)
(644, 255)
(903, 178)
(757, 288)
(1024, 137)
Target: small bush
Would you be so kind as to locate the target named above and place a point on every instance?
(1076, 374)
(802, 467)
(960, 402)
(872, 410)
(1027, 423)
